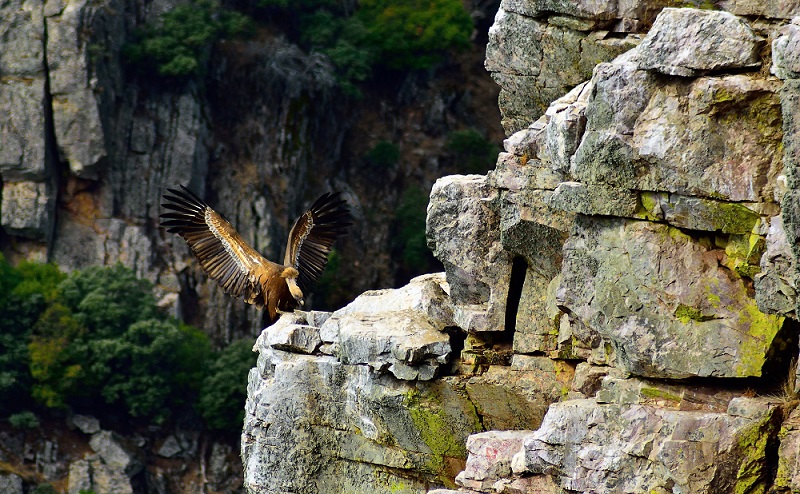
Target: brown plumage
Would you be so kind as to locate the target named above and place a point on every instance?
(239, 269)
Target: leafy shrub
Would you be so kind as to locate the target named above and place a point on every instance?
(154, 366)
(410, 242)
(24, 420)
(106, 300)
(474, 152)
(223, 392)
(24, 294)
(344, 41)
(396, 34)
(384, 154)
(415, 33)
(103, 342)
(179, 45)
(44, 489)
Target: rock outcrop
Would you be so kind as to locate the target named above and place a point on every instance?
(90, 141)
(622, 286)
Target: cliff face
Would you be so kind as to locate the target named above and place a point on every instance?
(618, 311)
(89, 145)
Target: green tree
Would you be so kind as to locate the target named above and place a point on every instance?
(155, 366)
(474, 153)
(179, 45)
(415, 33)
(223, 395)
(106, 300)
(102, 341)
(25, 292)
(410, 242)
(384, 154)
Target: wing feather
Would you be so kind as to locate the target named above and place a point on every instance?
(222, 253)
(312, 236)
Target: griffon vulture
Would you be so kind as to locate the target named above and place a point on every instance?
(241, 271)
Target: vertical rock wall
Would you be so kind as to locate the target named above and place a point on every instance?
(619, 298)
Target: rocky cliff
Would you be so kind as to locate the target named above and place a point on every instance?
(89, 144)
(618, 311)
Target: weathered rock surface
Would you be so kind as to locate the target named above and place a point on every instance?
(114, 453)
(591, 447)
(11, 483)
(536, 59)
(687, 42)
(490, 455)
(669, 179)
(461, 213)
(663, 301)
(785, 58)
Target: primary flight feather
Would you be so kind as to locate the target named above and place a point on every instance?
(239, 269)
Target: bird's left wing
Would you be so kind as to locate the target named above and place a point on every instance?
(312, 236)
(227, 259)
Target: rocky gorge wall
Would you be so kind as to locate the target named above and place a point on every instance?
(618, 311)
(89, 144)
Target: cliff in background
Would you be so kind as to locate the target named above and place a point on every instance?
(618, 311)
(88, 147)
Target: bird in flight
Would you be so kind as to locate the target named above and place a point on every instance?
(239, 269)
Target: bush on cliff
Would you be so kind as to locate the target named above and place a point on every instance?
(223, 392)
(104, 343)
(179, 44)
(25, 291)
(95, 340)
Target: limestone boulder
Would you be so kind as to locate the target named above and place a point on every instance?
(687, 42)
(535, 59)
(461, 212)
(398, 331)
(11, 483)
(785, 51)
(116, 453)
(663, 301)
(26, 209)
(92, 474)
(584, 445)
(489, 459)
(86, 423)
(366, 432)
(712, 137)
(773, 9)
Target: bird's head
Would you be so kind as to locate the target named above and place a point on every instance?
(295, 290)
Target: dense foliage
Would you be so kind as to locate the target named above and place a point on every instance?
(356, 37)
(472, 150)
(409, 240)
(96, 340)
(224, 392)
(180, 43)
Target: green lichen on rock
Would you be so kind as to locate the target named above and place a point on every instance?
(439, 430)
(650, 203)
(659, 394)
(752, 444)
(684, 313)
(757, 341)
(744, 254)
(731, 217)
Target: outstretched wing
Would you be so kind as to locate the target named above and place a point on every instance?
(227, 259)
(312, 236)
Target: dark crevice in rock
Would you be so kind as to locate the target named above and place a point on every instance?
(777, 375)
(519, 267)
(53, 168)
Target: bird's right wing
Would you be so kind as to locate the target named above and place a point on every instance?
(312, 236)
(227, 259)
